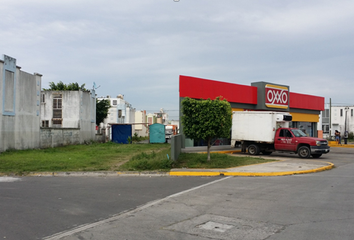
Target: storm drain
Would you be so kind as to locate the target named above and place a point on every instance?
(219, 227)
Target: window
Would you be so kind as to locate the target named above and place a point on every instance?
(341, 112)
(57, 109)
(325, 128)
(42, 98)
(45, 123)
(351, 112)
(285, 133)
(57, 121)
(114, 102)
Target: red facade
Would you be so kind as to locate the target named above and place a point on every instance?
(199, 88)
(308, 102)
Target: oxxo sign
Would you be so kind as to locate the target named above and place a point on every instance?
(276, 96)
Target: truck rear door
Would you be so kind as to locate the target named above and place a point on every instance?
(284, 140)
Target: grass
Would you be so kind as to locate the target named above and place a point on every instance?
(217, 160)
(112, 157)
(92, 157)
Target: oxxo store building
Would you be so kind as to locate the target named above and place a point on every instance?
(260, 96)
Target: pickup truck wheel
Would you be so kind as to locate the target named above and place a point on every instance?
(304, 152)
(253, 149)
(316, 155)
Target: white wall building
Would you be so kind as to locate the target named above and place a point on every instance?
(19, 107)
(69, 110)
(342, 119)
(120, 112)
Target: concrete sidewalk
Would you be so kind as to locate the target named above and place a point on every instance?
(283, 166)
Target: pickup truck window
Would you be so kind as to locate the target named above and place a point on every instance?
(285, 133)
(298, 133)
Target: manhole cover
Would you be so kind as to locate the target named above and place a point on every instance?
(214, 226)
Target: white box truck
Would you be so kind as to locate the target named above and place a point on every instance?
(265, 132)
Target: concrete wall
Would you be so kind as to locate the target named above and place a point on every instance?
(176, 146)
(19, 107)
(55, 137)
(87, 116)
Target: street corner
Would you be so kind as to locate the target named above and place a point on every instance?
(283, 167)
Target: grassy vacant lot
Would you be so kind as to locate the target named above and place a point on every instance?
(111, 157)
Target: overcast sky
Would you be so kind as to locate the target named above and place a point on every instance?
(139, 48)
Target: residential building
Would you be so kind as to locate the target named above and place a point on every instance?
(74, 111)
(20, 108)
(120, 112)
(141, 126)
(339, 118)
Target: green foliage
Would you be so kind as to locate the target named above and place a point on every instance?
(112, 157)
(206, 119)
(102, 108)
(351, 135)
(198, 160)
(149, 161)
(60, 86)
(92, 157)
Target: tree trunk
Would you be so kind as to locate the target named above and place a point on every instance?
(209, 145)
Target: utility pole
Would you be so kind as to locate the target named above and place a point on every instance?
(330, 118)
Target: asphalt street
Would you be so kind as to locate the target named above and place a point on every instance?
(35, 207)
(307, 206)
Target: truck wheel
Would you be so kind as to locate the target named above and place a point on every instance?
(316, 155)
(304, 152)
(253, 149)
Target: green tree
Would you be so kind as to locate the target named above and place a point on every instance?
(102, 108)
(60, 86)
(206, 119)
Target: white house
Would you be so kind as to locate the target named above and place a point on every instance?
(68, 117)
(19, 107)
(121, 111)
(342, 119)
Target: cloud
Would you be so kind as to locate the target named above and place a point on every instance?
(139, 48)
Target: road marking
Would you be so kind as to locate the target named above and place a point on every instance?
(84, 227)
(9, 179)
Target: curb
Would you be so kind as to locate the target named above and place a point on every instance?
(334, 144)
(251, 174)
(94, 174)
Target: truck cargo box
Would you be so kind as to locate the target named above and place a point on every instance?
(257, 126)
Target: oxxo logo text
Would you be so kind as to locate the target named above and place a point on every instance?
(276, 96)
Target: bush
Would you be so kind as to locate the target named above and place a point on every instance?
(351, 135)
(149, 161)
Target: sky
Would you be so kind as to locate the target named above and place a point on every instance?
(139, 48)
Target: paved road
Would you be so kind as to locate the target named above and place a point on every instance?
(310, 206)
(35, 207)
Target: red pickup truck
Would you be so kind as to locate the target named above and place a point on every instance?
(290, 140)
